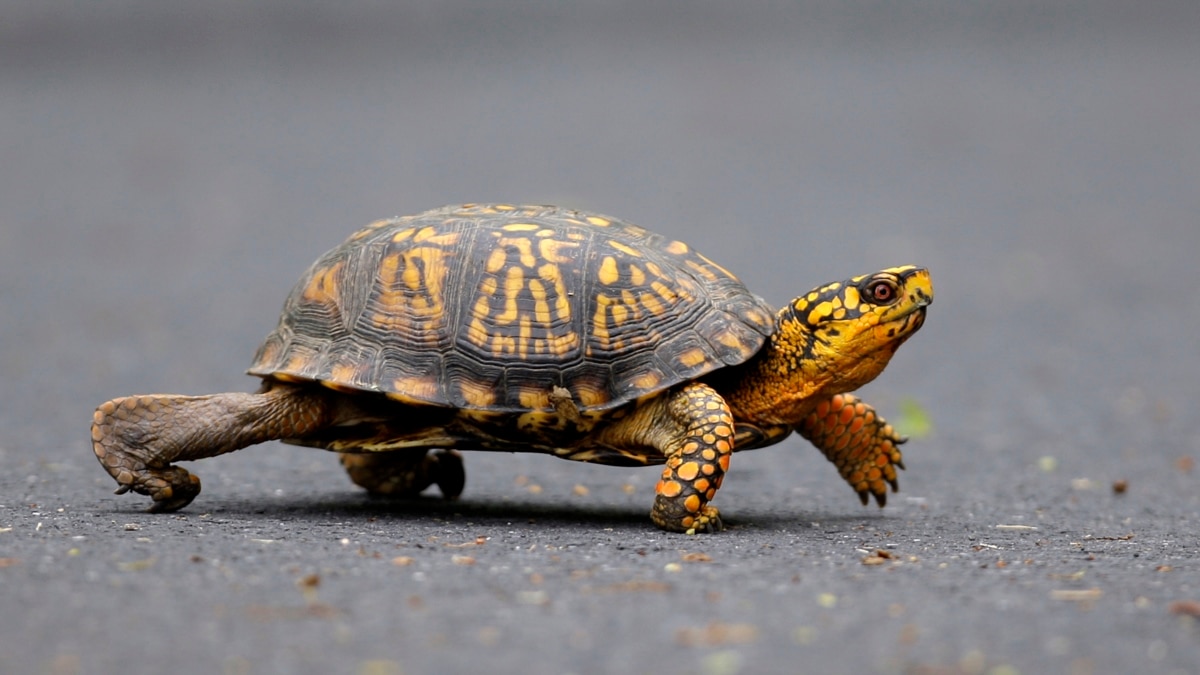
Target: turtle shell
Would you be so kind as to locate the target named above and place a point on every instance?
(493, 307)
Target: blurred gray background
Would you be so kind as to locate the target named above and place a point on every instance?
(167, 170)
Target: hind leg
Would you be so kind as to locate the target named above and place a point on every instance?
(137, 438)
(406, 474)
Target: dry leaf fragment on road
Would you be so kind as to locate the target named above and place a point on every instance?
(1186, 608)
(879, 557)
(1082, 595)
(717, 633)
(479, 541)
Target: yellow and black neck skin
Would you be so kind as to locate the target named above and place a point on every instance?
(832, 340)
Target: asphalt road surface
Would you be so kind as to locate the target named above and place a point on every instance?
(168, 172)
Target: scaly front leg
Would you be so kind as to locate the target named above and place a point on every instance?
(693, 429)
(863, 446)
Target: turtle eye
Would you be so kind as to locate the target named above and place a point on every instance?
(882, 291)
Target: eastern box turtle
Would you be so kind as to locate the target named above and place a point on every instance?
(539, 329)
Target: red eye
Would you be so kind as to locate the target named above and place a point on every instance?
(882, 291)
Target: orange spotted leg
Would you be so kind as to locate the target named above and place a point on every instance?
(697, 459)
(137, 438)
(863, 446)
(403, 474)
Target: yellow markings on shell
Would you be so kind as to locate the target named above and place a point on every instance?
(608, 272)
(533, 399)
(419, 388)
(652, 304)
(600, 320)
(722, 269)
(731, 340)
(524, 333)
(480, 310)
(513, 283)
(598, 221)
(677, 248)
(296, 363)
(411, 275)
(435, 236)
(550, 250)
(524, 247)
(375, 225)
(343, 372)
(665, 292)
(504, 207)
(619, 313)
(636, 276)
(477, 394)
(496, 260)
(287, 377)
(476, 331)
(403, 235)
(702, 270)
(521, 227)
(323, 287)
(541, 308)
(504, 344)
(588, 395)
(412, 282)
(562, 344)
(646, 381)
(553, 275)
(627, 250)
(692, 357)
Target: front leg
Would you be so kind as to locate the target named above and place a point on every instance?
(693, 429)
(863, 446)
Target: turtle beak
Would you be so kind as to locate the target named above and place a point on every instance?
(917, 286)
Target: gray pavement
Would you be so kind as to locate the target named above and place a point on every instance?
(168, 172)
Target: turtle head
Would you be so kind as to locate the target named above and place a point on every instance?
(840, 336)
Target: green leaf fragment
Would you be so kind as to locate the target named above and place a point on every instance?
(913, 421)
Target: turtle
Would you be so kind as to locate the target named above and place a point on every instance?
(539, 329)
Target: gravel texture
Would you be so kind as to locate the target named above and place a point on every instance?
(169, 170)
